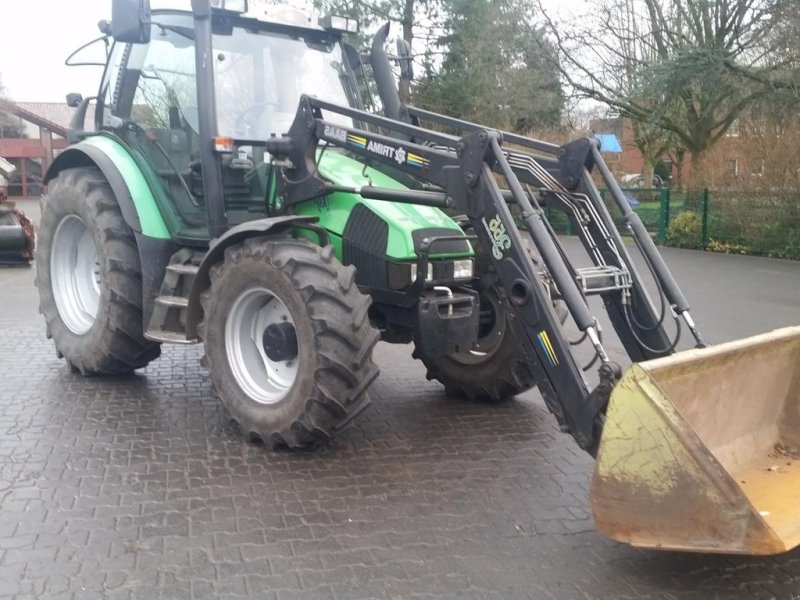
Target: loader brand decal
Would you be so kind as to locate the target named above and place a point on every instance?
(381, 149)
(340, 135)
(400, 155)
(500, 239)
(544, 342)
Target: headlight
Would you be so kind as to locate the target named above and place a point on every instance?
(429, 275)
(463, 269)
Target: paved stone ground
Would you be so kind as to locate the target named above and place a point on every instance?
(137, 487)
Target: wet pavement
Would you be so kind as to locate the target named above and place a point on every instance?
(137, 487)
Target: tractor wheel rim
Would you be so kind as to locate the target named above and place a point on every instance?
(263, 380)
(75, 274)
(491, 330)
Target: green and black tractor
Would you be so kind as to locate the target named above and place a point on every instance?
(236, 192)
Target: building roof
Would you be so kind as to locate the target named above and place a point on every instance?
(54, 116)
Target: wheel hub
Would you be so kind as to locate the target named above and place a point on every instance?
(261, 345)
(75, 274)
(280, 341)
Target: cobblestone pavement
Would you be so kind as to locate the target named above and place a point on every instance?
(138, 488)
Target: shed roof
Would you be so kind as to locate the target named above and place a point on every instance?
(54, 116)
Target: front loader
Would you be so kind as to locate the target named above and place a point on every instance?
(237, 193)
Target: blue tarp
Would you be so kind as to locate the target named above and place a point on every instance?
(608, 143)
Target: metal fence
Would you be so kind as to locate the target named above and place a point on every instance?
(765, 223)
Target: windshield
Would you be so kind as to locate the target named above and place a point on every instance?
(260, 77)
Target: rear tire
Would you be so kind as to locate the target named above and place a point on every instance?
(313, 385)
(89, 277)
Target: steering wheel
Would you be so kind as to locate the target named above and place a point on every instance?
(250, 120)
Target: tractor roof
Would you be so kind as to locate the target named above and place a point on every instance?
(274, 13)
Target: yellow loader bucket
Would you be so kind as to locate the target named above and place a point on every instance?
(701, 450)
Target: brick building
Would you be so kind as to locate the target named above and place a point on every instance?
(629, 160)
(757, 151)
(31, 136)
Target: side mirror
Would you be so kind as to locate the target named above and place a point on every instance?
(405, 59)
(130, 21)
(74, 100)
(76, 130)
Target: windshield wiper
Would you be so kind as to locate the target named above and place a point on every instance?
(186, 32)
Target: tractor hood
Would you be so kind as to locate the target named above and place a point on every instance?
(405, 224)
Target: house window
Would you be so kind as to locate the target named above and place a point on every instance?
(733, 129)
(15, 188)
(732, 167)
(759, 126)
(33, 177)
(758, 168)
(26, 180)
(11, 126)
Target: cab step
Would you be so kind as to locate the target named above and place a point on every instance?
(168, 320)
(168, 337)
(173, 301)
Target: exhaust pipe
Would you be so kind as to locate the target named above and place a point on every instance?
(382, 71)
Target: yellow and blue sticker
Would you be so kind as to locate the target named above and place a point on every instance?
(357, 140)
(544, 342)
(415, 160)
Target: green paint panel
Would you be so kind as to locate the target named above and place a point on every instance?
(146, 207)
(335, 209)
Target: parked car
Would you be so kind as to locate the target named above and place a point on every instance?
(637, 180)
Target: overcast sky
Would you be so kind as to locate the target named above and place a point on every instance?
(37, 35)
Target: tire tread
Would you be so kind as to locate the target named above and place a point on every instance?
(343, 338)
(119, 347)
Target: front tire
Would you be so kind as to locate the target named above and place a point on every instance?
(89, 277)
(288, 342)
(491, 372)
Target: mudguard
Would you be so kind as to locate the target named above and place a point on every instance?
(133, 194)
(216, 251)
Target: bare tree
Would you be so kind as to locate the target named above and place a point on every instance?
(687, 67)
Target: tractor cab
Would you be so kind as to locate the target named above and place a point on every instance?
(260, 67)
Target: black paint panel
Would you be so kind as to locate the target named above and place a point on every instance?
(364, 242)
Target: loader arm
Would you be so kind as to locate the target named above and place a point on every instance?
(562, 177)
(459, 171)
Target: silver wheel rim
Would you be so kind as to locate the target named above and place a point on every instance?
(263, 380)
(75, 274)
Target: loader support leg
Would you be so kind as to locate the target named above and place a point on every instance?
(536, 326)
